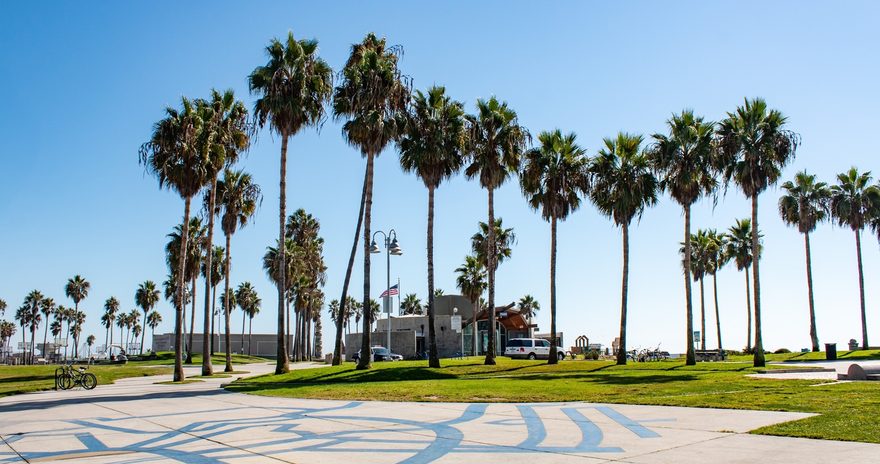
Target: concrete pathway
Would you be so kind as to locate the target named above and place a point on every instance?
(136, 420)
(840, 367)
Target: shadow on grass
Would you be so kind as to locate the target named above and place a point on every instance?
(27, 378)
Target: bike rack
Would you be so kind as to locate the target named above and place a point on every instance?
(58, 372)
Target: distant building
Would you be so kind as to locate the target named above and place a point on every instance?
(409, 334)
(265, 345)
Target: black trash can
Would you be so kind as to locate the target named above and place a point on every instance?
(831, 351)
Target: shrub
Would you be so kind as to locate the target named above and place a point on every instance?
(782, 351)
(592, 354)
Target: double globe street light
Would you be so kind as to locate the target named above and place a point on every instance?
(391, 248)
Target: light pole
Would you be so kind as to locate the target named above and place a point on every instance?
(391, 248)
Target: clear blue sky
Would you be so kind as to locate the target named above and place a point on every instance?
(82, 84)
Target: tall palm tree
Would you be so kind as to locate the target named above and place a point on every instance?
(172, 155)
(528, 307)
(90, 340)
(370, 95)
(805, 204)
(227, 299)
(238, 197)
(410, 304)
(23, 317)
(77, 289)
(47, 307)
(272, 265)
(78, 318)
(622, 186)
(753, 146)
(716, 260)
(699, 267)
(553, 177)
(683, 160)
(153, 321)
(133, 318)
(494, 145)
(111, 307)
(854, 203)
(33, 301)
(738, 246)
(218, 264)
(146, 297)
(292, 89)
(252, 310)
(471, 281)
(229, 137)
(504, 241)
(430, 144)
(196, 244)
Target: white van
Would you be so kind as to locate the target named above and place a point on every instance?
(531, 348)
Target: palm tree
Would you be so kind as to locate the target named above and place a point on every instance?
(153, 321)
(122, 323)
(309, 275)
(111, 307)
(805, 204)
(229, 137)
(195, 246)
(272, 265)
(622, 187)
(33, 301)
(495, 143)
(683, 161)
(471, 281)
(854, 203)
(2, 306)
(528, 307)
(554, 175)
(244, 296)
(77, 289)
(172, 155)
(90, 340)
(218, 264)
(410, 304)
(699, 262)
(23, 317)
(738, 246)
(238, 197)
(146, 296)
(370, 96)
(292, 88)
(47, 307)
(504, 241)
(753, 146)
(78, 318)
(430, 144)
(7, 330)
(716, 259)
(133, 318)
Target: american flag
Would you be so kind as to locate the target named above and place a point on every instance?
(394, 290)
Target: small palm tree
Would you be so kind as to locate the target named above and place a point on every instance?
(111, 307)
(738, 247)
(238, 199)
(699, 262)
(218, 264)
(716, 259)
(370, 96)
(47, 307)
(23, 317)
(471, 281)
(505, 239)
(78, 318)
(146, 297)
(153, 321)
(622, 186)
(430, 144)
(495, 143)
(553, 177)
(854, 203)
(245, 295)
(683, 161)
(133, 318)
(410, 304)
(752, 148)
(529, 306)
(805, 204)
(33, 301)
(90, 340)
(172, 155)
(292, 89)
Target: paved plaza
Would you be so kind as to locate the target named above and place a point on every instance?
(137, 420)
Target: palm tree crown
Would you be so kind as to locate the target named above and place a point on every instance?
(432, 136)
(554, 175)
(237, 200)
(622, 184)
(805, 203)
(854, 201)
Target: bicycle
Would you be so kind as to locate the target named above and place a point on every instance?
(70, 377)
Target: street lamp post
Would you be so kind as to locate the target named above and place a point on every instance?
(391, 248)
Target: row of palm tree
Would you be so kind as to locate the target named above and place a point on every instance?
(37, 309)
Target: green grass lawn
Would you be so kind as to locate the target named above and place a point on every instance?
(24, 379)
(218, 359)
(859, 355)
(849, 411)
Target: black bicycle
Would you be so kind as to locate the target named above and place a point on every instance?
(70, 377)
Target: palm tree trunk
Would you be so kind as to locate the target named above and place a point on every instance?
(624, 288)
(213, 316)
(554, 357)
(691, 359)
(433, 357)
(814, 335)
(475, 333)
(243, 314)
(862, 290)
(702, 317)
(207, 368)
(749, 312)
(226, 302)
(178, 319)
(337, 344)
(110, 329)
(366, 360)
(296, 332)
(717, 312)
(106, 340)
(144, 332)
(490, 269)
(45, 335)
(250, 334)
(759, 342)
(282, 365)
(287, 328)
(192, 316)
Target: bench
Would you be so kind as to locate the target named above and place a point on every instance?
(710, 355)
